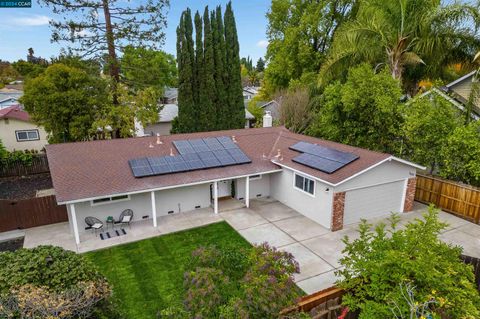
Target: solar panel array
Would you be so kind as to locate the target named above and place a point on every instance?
(322, 158)
(195, 154)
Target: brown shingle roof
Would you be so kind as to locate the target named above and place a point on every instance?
(14, 112)
(84, 170)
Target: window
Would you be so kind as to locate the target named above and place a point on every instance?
(305, 184)
(27, 135)
(254, 177)
(105, 200)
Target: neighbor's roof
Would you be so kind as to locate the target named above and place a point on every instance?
(264, 105)
(14, 112)
(461, 79)
(86, 170)
(171, 93)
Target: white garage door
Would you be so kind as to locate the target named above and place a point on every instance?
(372, 202)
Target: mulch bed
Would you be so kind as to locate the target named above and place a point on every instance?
(11, 245)
(15, 188)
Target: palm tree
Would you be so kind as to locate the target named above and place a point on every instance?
(403, 33)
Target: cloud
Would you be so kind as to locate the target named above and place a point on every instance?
(262, 44)
(33, 20)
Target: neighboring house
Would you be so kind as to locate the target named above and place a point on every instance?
(165, 118)
(170, 96)
(249, 92)
(18, 132)
(458, 93)
(273, 107)
(96, 178)
(9, 96)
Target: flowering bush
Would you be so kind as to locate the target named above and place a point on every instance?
(232, 284)
(380, 262)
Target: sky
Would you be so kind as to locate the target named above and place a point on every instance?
(23, 28)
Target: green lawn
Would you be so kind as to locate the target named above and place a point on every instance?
(148, 275)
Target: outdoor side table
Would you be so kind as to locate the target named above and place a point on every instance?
(110, 221)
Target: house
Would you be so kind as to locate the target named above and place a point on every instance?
(170, 96)
(249, 92)
(156, 176)
(458, 93)
(273, 107)
(9, 96)
(165, 118)
(18, 132)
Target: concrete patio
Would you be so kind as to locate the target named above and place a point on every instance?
(315, 248)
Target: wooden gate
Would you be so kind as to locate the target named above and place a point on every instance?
(32, 212)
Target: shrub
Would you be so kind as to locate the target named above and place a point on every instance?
(236, 284)
(45, 266)
(49, 282)
(380, 261)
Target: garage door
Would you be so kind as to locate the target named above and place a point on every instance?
(372, 202)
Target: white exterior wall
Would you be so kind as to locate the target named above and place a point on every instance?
(384, 173)
(258, 187)
(9, 139)
(141, 205)
(187, 197)
(317, 207)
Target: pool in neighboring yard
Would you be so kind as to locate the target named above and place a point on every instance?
(147, 275)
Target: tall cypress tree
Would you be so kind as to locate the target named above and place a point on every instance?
(198, 58)
(221, 104)
(186, 121)
(234, 81)
(208, 88)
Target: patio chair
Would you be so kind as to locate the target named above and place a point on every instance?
(94, 223)
(125, 218)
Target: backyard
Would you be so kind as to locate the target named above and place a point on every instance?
(147, 275)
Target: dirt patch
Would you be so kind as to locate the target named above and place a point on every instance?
(12, 244)
(24, 187)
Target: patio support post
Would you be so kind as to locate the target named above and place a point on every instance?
(215, 197)
(74, 223)
(154, 209)
(247, 191)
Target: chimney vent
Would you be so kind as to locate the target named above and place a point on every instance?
(159, 141)
(267, 119)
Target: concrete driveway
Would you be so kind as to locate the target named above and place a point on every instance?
(316, 248)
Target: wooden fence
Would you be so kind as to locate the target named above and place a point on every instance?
(39, 165)
(32, 212)
(459, 199)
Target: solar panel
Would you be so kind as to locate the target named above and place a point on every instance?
(199, 145)
(209, 159)
(213, 144)
(140, 167)
(159, 165)
(183, 147)
(325, 152)
(239, 156)
(317, 162)
(193, 161)
(224, 158)
(176, 164)
(227, 142)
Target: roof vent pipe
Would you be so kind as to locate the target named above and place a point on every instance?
(267, 119)
(171, 152)
(158, 139)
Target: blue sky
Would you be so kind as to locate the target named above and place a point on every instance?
(28, 27)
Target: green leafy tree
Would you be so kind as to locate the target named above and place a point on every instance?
(65, 101)
(7, 73)
(380, 262)
(429, 121)
(300, 34)
(404, 34)
(144, 67)
(221, 83)
(28, 69)
(364, 111)
(3, 151)
(461, 154)
(91, 66)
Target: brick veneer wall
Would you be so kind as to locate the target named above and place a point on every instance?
(410, 194)
(337, 211)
